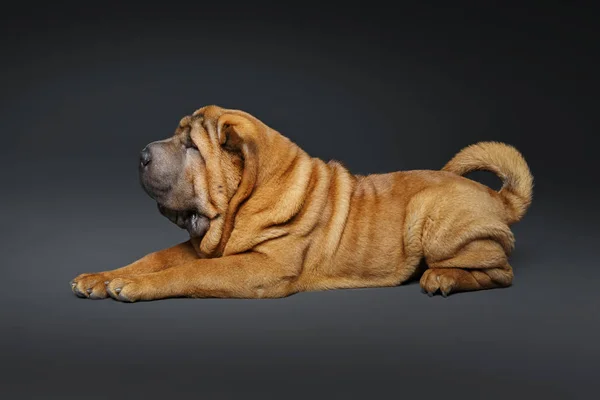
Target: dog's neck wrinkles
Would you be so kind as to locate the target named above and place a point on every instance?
(317, 198)
(318, 201)
(261, 178)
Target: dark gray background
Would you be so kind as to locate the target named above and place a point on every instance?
(84, 88)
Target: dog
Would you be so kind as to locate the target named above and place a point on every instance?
(266, 220)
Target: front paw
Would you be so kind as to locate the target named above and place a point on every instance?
(124, 289)
(90, 286)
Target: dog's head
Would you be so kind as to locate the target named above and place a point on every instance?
(203, 172)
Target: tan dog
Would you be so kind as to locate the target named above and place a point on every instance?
(267, 220)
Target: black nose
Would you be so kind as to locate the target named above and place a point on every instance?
(145, 157)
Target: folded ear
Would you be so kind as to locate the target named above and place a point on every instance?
(235, 131)
(239, 134)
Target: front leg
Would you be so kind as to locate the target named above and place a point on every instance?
(248, 275)
(93, 285)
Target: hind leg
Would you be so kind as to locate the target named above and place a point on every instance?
(481, 264)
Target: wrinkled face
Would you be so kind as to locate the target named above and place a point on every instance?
(190, 175)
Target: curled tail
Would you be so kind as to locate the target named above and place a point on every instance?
(506, 162)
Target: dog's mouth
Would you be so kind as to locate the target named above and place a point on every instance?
(192, 221)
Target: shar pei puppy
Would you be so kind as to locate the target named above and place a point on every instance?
(267, 220)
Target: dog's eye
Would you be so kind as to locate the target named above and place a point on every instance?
(189, 144)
